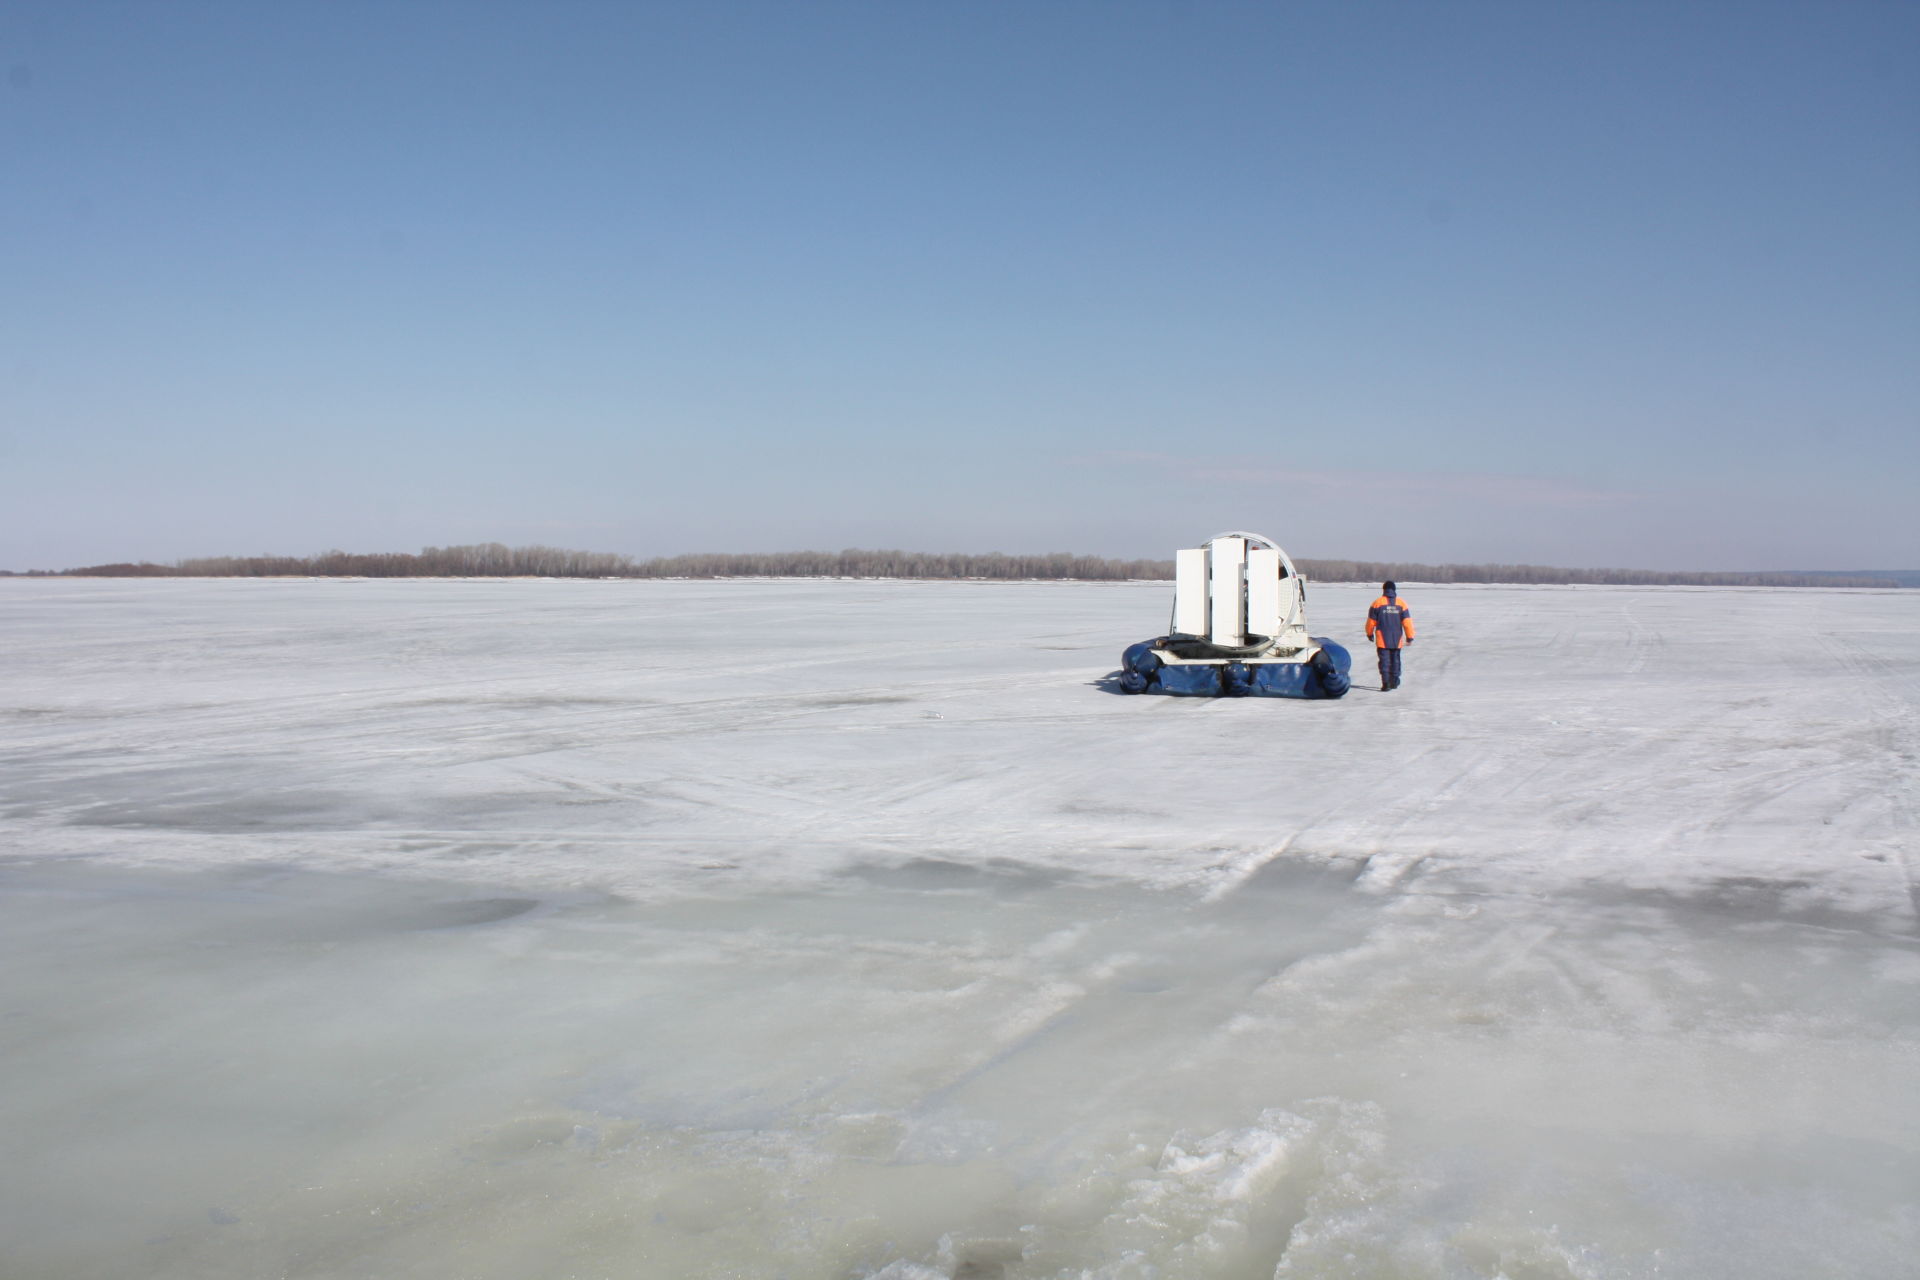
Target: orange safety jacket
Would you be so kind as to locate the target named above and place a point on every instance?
(1389, 623)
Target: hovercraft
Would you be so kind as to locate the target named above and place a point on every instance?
(1239, 629)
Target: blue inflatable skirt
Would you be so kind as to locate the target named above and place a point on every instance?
(1325, 675)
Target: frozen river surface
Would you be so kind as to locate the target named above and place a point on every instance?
(568, 929)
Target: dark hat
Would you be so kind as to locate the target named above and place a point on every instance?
(1387, 588)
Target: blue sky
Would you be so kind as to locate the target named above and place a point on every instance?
(1586, 284)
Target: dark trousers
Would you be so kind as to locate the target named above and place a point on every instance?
(1389, 668)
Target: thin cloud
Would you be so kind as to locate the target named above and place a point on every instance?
(1414, 486)
(1121, 458)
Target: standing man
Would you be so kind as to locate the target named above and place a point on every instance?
(1390, 627)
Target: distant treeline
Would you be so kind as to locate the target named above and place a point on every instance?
(1544, 575)
(493, 560)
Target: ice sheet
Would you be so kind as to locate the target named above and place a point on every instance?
(503, 929)
(595, 733)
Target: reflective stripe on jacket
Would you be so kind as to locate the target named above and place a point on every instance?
(1389, 623)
